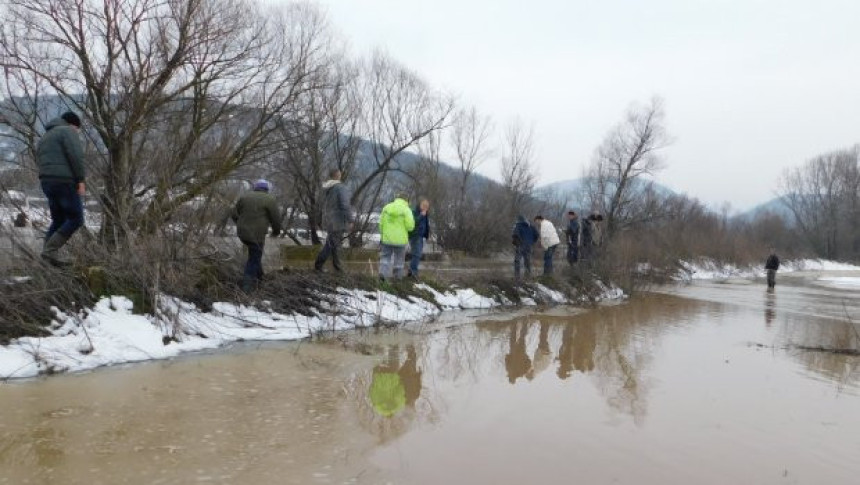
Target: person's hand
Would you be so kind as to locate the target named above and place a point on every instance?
(82, 189)
(424, 213)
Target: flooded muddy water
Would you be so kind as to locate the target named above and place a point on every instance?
(707, 384)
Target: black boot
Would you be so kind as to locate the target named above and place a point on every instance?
(51, 252)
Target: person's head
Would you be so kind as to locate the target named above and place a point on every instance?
(424, 205)
(335, 174)
(538, 220)
(72, 119)
(772, 249)
(401, 195)
(598, 218)
(521, 218)
(261, 185)
(571, 215)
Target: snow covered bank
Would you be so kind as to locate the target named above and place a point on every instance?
(110, 334)
(711, 270)
(840, 281)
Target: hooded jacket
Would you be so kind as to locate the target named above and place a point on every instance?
(253, 214)
(60, 155)
(337, 213)
(548, 235)
(396, 222)
(524, 234)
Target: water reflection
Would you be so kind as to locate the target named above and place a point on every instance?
(769, 307)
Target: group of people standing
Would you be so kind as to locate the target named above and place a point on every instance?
(400, 227)
(582, 238)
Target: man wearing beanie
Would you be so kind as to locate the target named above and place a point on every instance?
(253, 214)
(60, 159)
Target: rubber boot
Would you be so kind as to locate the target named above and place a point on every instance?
(51, 253)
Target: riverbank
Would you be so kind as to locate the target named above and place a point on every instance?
(112, 331)
(705, 383)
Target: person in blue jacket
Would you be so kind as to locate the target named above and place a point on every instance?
(524, 237)
(421, 233)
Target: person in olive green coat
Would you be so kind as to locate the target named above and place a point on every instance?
(395, 224)
(253, 214)
(60, 159)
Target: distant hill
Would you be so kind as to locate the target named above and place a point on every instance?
(775, 206)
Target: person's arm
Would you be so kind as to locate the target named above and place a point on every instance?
(237, 209)
(274, 215)
(343, 203)
(409, 220)
(74, 152)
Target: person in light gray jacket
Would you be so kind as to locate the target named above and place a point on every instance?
(338, 219)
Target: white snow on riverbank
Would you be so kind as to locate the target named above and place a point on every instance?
(840, 281)
(110, 334)
(711, 270)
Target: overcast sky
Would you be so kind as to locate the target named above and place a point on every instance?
(751, 86)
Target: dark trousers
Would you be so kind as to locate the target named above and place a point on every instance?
(416, 245)
(548, 256)
(523, 257)
(254, 265)
(572, 253)
(771, 278)
(330, 249)
(66, 207)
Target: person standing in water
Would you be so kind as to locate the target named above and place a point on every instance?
(771, 266)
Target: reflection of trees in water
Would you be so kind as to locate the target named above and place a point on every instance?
(799, 330)
(611, 345)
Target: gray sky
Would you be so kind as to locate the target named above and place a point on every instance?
(751, 86)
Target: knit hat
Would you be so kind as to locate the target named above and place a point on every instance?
(261, 184)
(71, 118)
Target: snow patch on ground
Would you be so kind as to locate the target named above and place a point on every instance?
(840, 281)
(110, 333)
(711, 270)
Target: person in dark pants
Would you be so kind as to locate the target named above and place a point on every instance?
(771, 266)
(419, 235)
(337, 220)
(60, 159)
(253, 214)
(572, 238)
(524, 237)
(549, 241)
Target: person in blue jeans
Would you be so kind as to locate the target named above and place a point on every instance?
(60, 160)
(523, 237)
(419, 235)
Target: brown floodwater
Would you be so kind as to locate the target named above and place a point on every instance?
(707, 384)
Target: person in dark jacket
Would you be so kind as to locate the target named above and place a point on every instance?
(524, 237)
(337, 220)
(572, 237)
(60, 159)
(253, 214)
(586, 238)
(771, 266)
(419, 235)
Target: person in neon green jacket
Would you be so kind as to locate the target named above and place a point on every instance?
(395, 224)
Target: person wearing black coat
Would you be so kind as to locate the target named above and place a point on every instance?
(771, 266)
(572, 237)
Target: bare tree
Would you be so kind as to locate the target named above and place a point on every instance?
(400, 110)
(628, 153)
(178, 93)
(518, 171)
(823, 197)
